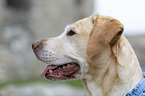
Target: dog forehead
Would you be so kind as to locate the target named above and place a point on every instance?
(83, 26)
(84, 22)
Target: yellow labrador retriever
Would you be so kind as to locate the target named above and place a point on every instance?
(94, 50)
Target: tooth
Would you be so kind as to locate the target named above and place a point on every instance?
(63, 67)
(50, 70)
(68, 65)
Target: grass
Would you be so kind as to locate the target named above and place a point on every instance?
(74, 83)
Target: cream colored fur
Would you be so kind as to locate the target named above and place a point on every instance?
(109, 66)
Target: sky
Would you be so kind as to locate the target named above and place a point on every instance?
(130, 12)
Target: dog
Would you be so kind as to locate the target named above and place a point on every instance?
(95, 51)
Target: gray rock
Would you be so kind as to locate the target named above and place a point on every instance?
(21, 25)
(138, 44)
(41, 89)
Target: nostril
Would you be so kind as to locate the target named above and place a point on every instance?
(35, 46)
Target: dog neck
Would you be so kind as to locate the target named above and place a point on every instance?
(115, 70)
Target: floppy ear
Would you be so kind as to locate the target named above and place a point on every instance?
(105, 31)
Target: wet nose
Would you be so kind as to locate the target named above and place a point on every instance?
(36, 45)
(39, 44)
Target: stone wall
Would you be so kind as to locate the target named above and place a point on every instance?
(41, 89)
(48, 18)
(25, 21)
(138, 44)
(22, 25)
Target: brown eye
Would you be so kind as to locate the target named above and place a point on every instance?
(71, 33)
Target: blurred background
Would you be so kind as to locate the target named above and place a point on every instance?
(25, 21)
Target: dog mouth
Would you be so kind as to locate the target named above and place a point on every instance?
(61, 72)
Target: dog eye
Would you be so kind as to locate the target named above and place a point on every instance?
(71, 33)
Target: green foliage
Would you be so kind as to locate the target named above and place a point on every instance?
(74, 83)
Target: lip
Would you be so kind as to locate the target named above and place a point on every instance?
(61, 72)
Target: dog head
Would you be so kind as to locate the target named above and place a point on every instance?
(66, 54)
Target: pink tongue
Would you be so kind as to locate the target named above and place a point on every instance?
(49, 67)
(65, 70)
